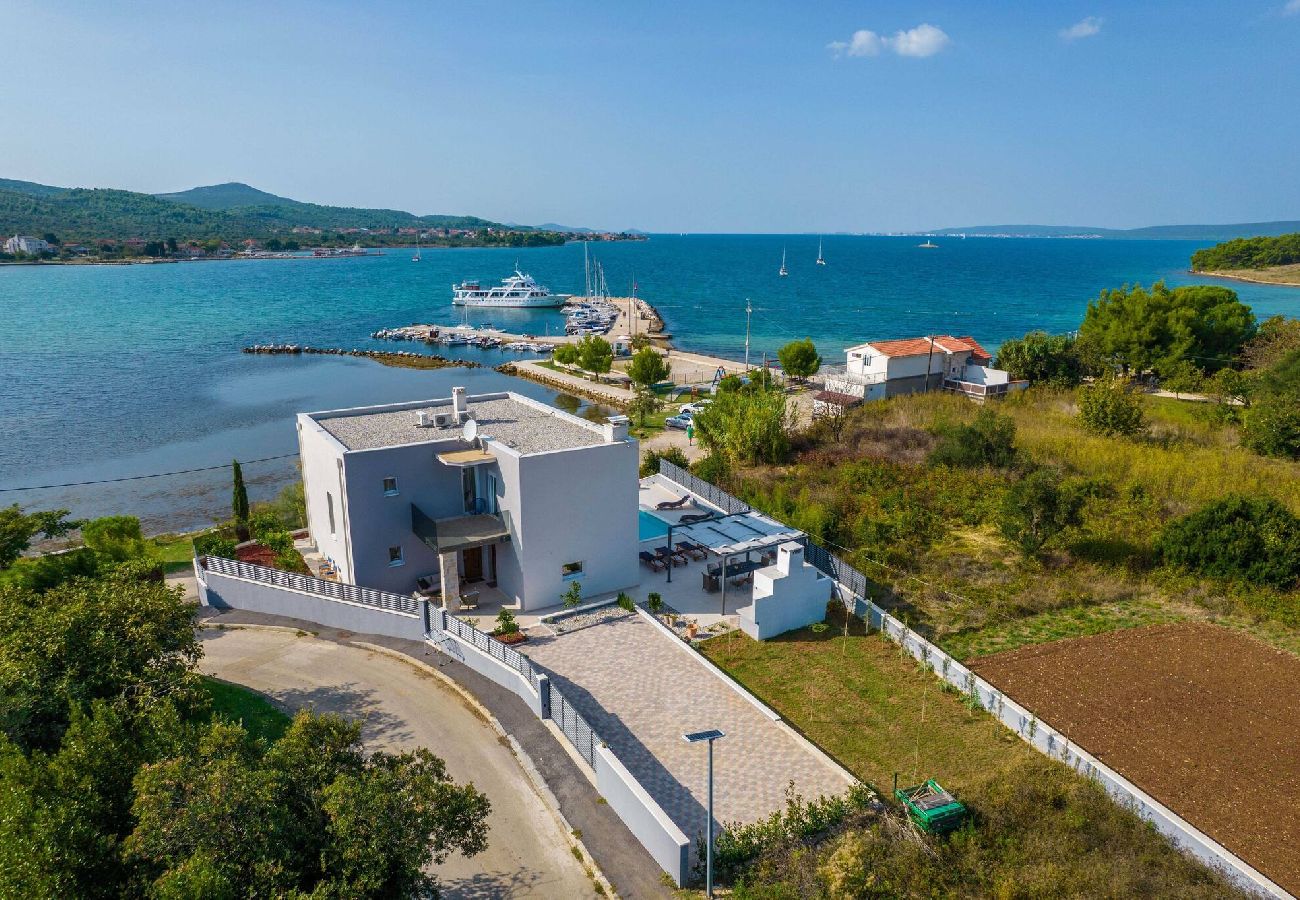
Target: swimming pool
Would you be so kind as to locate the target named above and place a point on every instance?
(649, 525)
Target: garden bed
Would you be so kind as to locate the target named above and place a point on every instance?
(1201, 717)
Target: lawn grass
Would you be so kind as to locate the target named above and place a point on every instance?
(869, 706)
(260, 717)
(1057, 624)
(175, 550)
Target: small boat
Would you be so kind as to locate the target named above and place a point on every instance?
(416, 257)
(821, 260)
(929, 245)
(783, 271)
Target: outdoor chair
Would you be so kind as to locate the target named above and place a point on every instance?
(649, 559)
(674, 504)
(692, 518)
(712, 583)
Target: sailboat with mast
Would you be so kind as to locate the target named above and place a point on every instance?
(416, 257)
(783, 271)
(821, 260)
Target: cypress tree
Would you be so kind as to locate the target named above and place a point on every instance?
(239, 500)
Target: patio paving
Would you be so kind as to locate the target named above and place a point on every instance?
(641, 690)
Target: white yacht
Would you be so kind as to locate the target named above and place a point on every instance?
(519, 291)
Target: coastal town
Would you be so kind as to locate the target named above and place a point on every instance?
(789, 525)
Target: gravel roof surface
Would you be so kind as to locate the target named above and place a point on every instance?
(518, 425)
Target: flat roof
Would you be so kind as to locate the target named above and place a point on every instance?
(526, 426)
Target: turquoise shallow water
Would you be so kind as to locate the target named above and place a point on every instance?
(112, 371)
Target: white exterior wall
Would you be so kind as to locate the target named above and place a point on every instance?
(577, 506)
(379, 521)
(866, 362)
(321, 458)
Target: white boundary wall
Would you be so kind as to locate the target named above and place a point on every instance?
(1052, 743)
(664, 841)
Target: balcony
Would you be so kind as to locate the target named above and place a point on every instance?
(463, 532)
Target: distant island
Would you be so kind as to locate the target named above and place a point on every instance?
(1268, 260)
(41, 222)
(1148, 233)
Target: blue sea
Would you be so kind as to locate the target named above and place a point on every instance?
(119, 371)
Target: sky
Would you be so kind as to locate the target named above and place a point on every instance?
(681, 117)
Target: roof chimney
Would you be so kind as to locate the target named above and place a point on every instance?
(459, 405)
(616, 429)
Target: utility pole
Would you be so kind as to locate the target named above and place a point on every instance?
(749, 311)
(928, 358)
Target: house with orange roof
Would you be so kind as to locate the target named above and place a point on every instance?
(879, 369)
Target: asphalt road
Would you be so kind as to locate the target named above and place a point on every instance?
(402, 707)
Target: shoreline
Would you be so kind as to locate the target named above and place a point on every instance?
(1249, 280)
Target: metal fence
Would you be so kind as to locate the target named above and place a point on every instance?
(493, 648)
(711, 493)
(583, 737)
(308, 584)
(575, 727)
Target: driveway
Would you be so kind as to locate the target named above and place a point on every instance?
(641, 690)
(403, 707)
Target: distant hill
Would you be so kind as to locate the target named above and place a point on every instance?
(230, 195)
(228, 211)
(1150, 232)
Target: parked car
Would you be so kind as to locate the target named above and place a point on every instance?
(681, 420)
(697, 406)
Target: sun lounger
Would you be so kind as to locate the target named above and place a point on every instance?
(676, 559)
(693, 550)
(654, 562)
(674, 504)
(692, 518)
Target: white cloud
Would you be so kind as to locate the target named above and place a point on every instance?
(923, 40)
(1091, 25)
(1292, 8)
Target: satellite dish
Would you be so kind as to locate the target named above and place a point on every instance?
(469, 431)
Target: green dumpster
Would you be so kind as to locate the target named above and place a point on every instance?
(930, 807)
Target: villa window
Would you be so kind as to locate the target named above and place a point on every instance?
(395, 556)
(571, 570)
(329, 504)
(390, 487)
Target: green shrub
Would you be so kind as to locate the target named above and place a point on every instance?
(566, 355)
(1271, 427)
(1109, 407)
(573, 596)
(1043, 358)
(674, 455)
(625, 602)
(654, 601)
(115, 538)
(214, 543)
(713, 468)
(1254, 539)
(987, 441)
(506, 623)
(1036, 510)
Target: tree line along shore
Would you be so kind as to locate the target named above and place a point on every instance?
(1262, 260)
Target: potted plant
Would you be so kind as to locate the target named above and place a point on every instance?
(692, 628)
(507, 630)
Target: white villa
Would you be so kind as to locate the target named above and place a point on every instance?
(879, 369)
(494, 489)
(22, 243)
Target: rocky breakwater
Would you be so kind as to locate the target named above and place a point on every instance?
(407, 359)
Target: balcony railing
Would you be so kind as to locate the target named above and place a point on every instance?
(473, 529)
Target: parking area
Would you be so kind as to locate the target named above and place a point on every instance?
(642, 689)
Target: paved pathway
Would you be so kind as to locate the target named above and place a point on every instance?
(404, 707)
(641, 690)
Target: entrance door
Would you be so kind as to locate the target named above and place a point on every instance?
(472, 564)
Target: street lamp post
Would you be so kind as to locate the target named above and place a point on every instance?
(694, 738)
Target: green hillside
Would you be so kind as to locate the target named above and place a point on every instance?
(227, 196)
(1249, 253)
(230, 212)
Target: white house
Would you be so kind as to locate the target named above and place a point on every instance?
(21, 243)
(525, 499)
(879, 369)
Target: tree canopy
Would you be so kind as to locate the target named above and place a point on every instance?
(1109, 406)
(1254, 539)
(799, 358)
(648, 368)
(743, 427)
(1248, 253)
(1165, 330)
(18, 529)
(595, 354)
(1043, 358)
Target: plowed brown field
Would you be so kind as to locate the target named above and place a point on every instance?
(1203, 718)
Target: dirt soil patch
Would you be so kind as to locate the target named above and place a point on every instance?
(256, 554)
(1203, 718)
